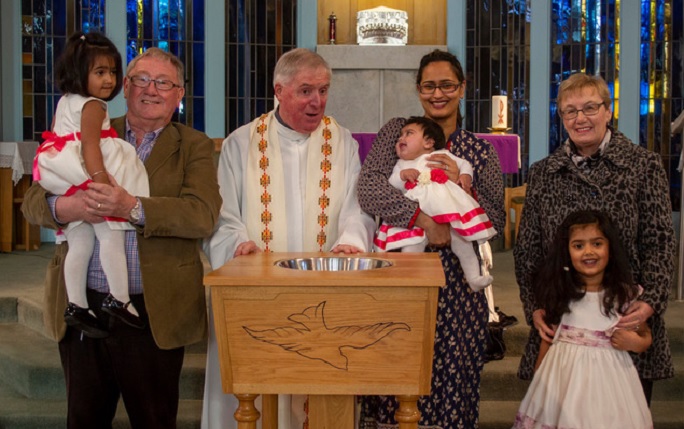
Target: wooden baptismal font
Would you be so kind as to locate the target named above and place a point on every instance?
(329, 326)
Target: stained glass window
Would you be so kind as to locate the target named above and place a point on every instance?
(656, 90)
(258, 32)
(46, 25)
(497, 63)
(176, 26)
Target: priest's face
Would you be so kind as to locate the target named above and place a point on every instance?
(302, 99)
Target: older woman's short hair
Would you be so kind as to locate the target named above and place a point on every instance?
(579, 81)
(163, 55)
(292, 62)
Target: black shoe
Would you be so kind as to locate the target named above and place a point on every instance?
(496, 347)
(81, 319)
(505, 320)
(118, 309)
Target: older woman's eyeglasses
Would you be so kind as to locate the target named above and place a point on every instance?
(589, 110)
(160, 84)
(445, 87)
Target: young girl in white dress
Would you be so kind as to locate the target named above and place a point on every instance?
(439, 198)
(82, 148)
(586, 378)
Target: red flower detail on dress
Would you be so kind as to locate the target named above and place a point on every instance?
(410, 185)
(439, 176)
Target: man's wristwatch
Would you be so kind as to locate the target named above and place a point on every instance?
(136, 212)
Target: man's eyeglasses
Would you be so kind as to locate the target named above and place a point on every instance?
(589, 110)
(446, 87)
(160, 84)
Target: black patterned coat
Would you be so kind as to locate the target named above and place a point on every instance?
(461, 315)
(629, 184)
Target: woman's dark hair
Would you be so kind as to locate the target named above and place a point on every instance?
(557, 283)
(73, 66)
(436, 56)
(431, 130)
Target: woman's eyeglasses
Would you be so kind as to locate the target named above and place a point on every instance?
(446, 87)
(589, 110)
(160, 84)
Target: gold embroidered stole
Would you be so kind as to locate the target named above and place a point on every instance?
(265, 215)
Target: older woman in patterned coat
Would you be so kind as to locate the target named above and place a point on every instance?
(462, 314)
(599, 168)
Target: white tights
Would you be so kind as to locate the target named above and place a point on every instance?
(465, 252)
(81, 241)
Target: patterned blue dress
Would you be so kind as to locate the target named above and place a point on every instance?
(462, 315)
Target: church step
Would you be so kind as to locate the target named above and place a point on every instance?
(30, 365)
(18, 412)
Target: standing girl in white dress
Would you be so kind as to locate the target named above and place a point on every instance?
(439, 198)
(586, 378)
(82, 148)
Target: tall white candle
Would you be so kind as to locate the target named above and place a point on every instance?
(499, 112)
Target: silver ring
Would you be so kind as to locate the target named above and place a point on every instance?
(99, 205)
(446, 167)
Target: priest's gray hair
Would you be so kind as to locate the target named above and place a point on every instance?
(296, 60)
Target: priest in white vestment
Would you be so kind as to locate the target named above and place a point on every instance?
(288, 182)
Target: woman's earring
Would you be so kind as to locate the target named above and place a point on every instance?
(566, 269)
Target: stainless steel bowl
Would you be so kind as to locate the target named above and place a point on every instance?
(333, 263)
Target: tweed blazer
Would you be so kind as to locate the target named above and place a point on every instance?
(183, 208)
(630, 185)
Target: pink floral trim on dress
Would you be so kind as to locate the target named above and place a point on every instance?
(585, 337)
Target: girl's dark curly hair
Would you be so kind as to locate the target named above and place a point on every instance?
(431, 130)
(557, 283)
(437, 56)
(73, 66)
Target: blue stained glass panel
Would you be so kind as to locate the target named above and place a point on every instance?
(198, 113)
(131, 20)
(198, 78)
(198, 24)
(38, 25)
(39, 50)
(165, 25)
(148, 18)
(39, 7)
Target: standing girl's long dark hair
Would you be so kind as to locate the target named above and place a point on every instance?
(557, 283)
